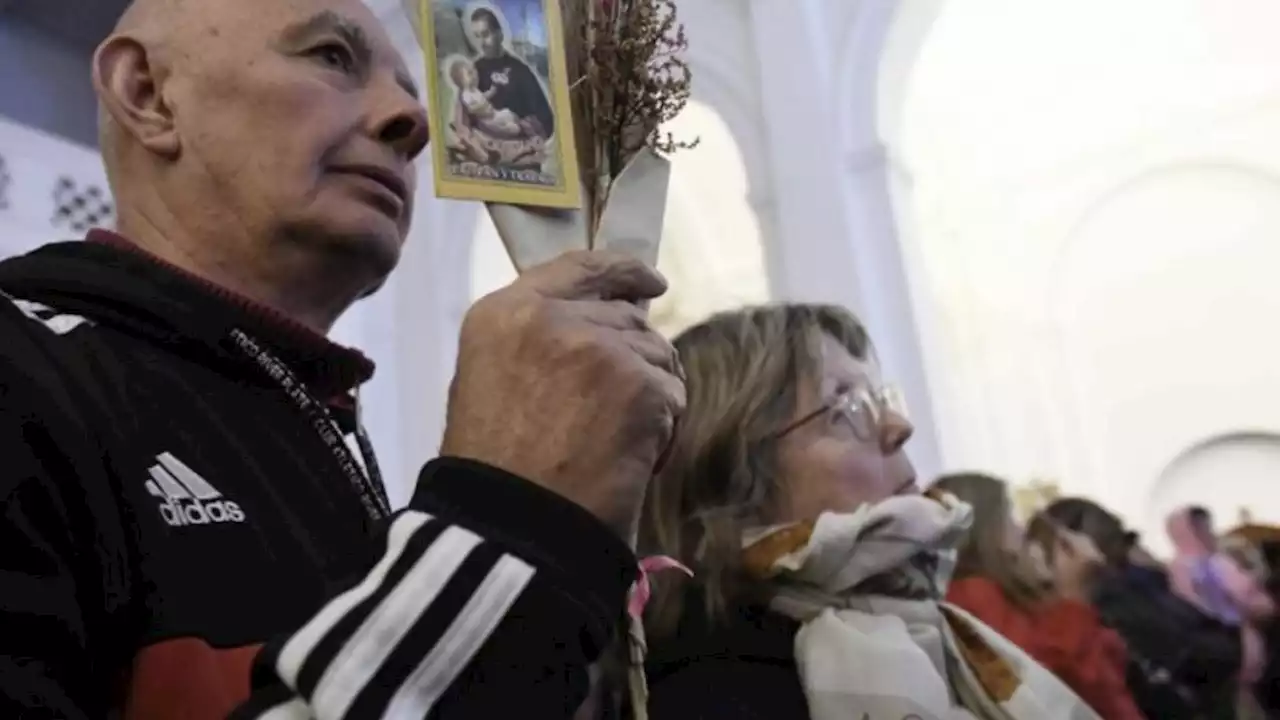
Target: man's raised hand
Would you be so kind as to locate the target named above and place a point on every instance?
(561, 380)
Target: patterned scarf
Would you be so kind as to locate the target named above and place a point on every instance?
(876, 641)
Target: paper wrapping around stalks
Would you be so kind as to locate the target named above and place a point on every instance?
(631, 222)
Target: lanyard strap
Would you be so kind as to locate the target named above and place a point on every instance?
(368, 484)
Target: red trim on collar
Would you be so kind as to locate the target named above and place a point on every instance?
(287, 327)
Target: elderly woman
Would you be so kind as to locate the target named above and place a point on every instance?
(818, 567)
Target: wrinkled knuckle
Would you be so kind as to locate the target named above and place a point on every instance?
(668, 349)
(592, 263)
(581, 346)
(677, 396)
(633, 375)
(639, 317)
(670, 392)
(579, 256)
(529, 315)
(478, 315)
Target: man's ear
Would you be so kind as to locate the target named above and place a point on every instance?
(128, 84)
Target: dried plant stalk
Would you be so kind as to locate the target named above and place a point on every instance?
(627, 77)
(576, 15)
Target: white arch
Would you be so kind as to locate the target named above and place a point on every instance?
(1240, 464)
(713, 251)
(879, 52)
(1148, 338)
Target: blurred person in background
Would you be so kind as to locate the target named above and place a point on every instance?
(1219, 587)
(1248, 556)
(1182, 663)
(1143, 567)
(1267, 543)
(818, 567)
(1038, 594)
(1265, 540)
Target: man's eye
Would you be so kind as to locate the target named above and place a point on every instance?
(335, 56)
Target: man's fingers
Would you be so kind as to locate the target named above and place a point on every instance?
(655, 350)
(631, 324)
(612, 314)
(672, 389)
(595, 274)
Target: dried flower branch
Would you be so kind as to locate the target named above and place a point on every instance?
(627, 78)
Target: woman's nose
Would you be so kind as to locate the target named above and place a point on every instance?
(895, 431)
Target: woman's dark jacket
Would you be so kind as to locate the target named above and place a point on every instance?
(1183, 664)
(744, 669)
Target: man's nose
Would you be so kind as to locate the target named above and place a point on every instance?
(401, 122)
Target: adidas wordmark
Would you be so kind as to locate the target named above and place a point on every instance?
(186, 498)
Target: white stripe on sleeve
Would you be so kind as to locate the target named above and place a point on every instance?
(370, 645)
(295, 709)
(472, 627)
(300, 646)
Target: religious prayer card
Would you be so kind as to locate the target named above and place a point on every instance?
(498, 97)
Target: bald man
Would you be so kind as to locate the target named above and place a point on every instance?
(193, 522)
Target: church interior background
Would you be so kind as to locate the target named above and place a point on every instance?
(1057, 218)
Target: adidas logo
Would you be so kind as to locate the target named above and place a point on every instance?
(58, 323)
(187, 498)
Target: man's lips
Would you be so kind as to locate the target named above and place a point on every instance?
(388, 182)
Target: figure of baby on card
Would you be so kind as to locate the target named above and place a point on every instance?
(478, 104)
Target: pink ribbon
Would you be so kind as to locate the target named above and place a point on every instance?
(641, 591)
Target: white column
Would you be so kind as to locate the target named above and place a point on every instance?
(886, 305)
(810, 256)
(834, 238)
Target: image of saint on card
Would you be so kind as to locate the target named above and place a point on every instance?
(501, 125)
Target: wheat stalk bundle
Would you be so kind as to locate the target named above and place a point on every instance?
(627, 77)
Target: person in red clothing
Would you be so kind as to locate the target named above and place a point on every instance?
(1037, 596)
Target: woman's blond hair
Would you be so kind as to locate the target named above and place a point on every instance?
(984, 553)
(745, 370)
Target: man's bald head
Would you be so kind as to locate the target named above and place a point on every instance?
(290, 120)
(139, 13)
(179, 30)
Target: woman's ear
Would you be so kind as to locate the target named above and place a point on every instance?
(129, 83)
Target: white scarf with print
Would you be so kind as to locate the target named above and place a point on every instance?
(877, 642)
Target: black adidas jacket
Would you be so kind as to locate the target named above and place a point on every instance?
(180, 532)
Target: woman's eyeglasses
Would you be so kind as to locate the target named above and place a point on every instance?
(862, 408)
